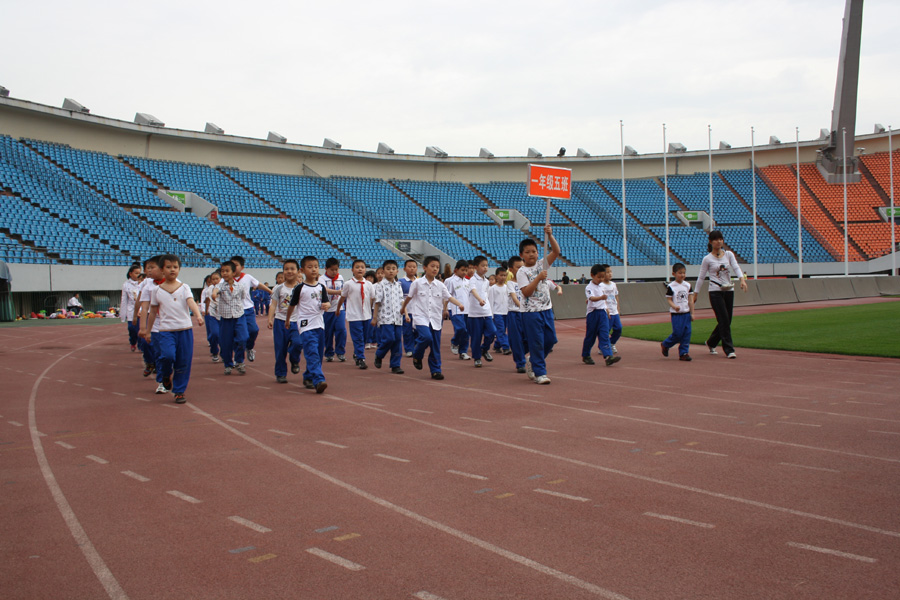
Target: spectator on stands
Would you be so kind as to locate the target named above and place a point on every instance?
(74, 305)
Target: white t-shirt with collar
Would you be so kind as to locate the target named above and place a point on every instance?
(173, 312)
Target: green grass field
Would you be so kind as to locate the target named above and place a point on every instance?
(863, 330)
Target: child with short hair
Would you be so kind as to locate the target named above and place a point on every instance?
(480, 319)
(410, 268)
(285, 336)
(429, 298)
(130, 293)
(681, 309)
(151, 272)
(611, 291)
(208, 306)
(537, 317)
(357, 296)
(249, 314)
(516, 335)
(597, 321)
(279, 278)
(386, 317)
(154, 278)
(499, 295)
(310, 301)
(335, 325)
(371, 337)
(173, 303)
(458, 287)
(231, 297)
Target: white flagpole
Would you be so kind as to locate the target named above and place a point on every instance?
(666, 198)
(799, 213)
(624, 229)
(546, 222)
(753, 180)
(846, 233)
(893, 216)
(711, 219)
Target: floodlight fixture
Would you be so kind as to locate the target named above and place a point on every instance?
(723, 145)
(384, 148)
(147, 119)
(435, 152)
(485, 153)
(4, 93)
(276, 137)
(562, 152)
(773, 140)
(677, 148)
(879, 128)
(532, 153)
(331, 144)
(583, 153)
(629, 151)
(213, 128)
(74, 106)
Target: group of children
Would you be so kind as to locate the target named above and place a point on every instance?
(310, 315)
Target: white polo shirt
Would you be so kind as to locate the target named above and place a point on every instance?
(358, 297)
(499, 299)
(281, 300)
(251, 283)
(458, 287)
(594, 289)
(173, 312)
(427, 302)
(332, 284)
(146, 295)
(612, 297)
(481, 285)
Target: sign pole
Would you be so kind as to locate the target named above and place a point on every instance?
(666, 198)
(753, 180)
(711, 219)
(546, 222)
(799, 213)
(624, 225)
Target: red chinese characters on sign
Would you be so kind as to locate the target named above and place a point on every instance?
(549, 182)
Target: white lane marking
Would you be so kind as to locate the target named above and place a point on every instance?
(561, 495)
(250, 524)
(78, 384)
(887, 432)
(484, 545)
(184, 497)
(98, 565)
(389, 457)
(791, 397)
(97, 459)
(811, 468)
(279, 432)
(143, 399)
(630, 475)
(118, 394)
(238, 422)
(864, 559)
(586, 401)
(16, 424)
(210, 379)
(469, 475)
(332, 444)
(679, 520)
(795, 423)
(715, 415)
(262, 387)
(97, 389)
(476, 420)
(65, 445)
(418, 410)
(539, 429)
(702, 452)
(134, 475)
(334, 558)
(372, 404)
(643, 407)
(607, 439)
(423, 595)
(171, 406)
(869, 403)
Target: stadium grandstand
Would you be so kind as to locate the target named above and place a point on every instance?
(95, 192)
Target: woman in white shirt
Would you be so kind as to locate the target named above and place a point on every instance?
(721, 266)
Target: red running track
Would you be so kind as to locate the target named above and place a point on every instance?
(776, 475)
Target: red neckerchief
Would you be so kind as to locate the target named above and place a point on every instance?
(362, 290)
(159, 281)
(333, 280)
(239, 277)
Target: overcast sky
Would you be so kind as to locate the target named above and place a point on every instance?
(506, 75)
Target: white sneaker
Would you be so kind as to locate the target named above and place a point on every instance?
(407, 354)
(542, 380)
(464, 356)
(712, 349)
(732, 355)
(615, 351)
(161, 389)
(528, 368)
(215, 358)
(240, 368)
(251, 355)
(454, 349)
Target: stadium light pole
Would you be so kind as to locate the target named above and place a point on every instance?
(666, 198)
(624, 235)
(799, 213)
(893, 216)
(846, 235)
(753, 181)
(709, 134)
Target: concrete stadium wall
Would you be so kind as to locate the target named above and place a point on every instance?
(20, 118)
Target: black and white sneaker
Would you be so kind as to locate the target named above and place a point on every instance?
(281, 379)
(488, 356)
(295, 368)
(251, 355)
